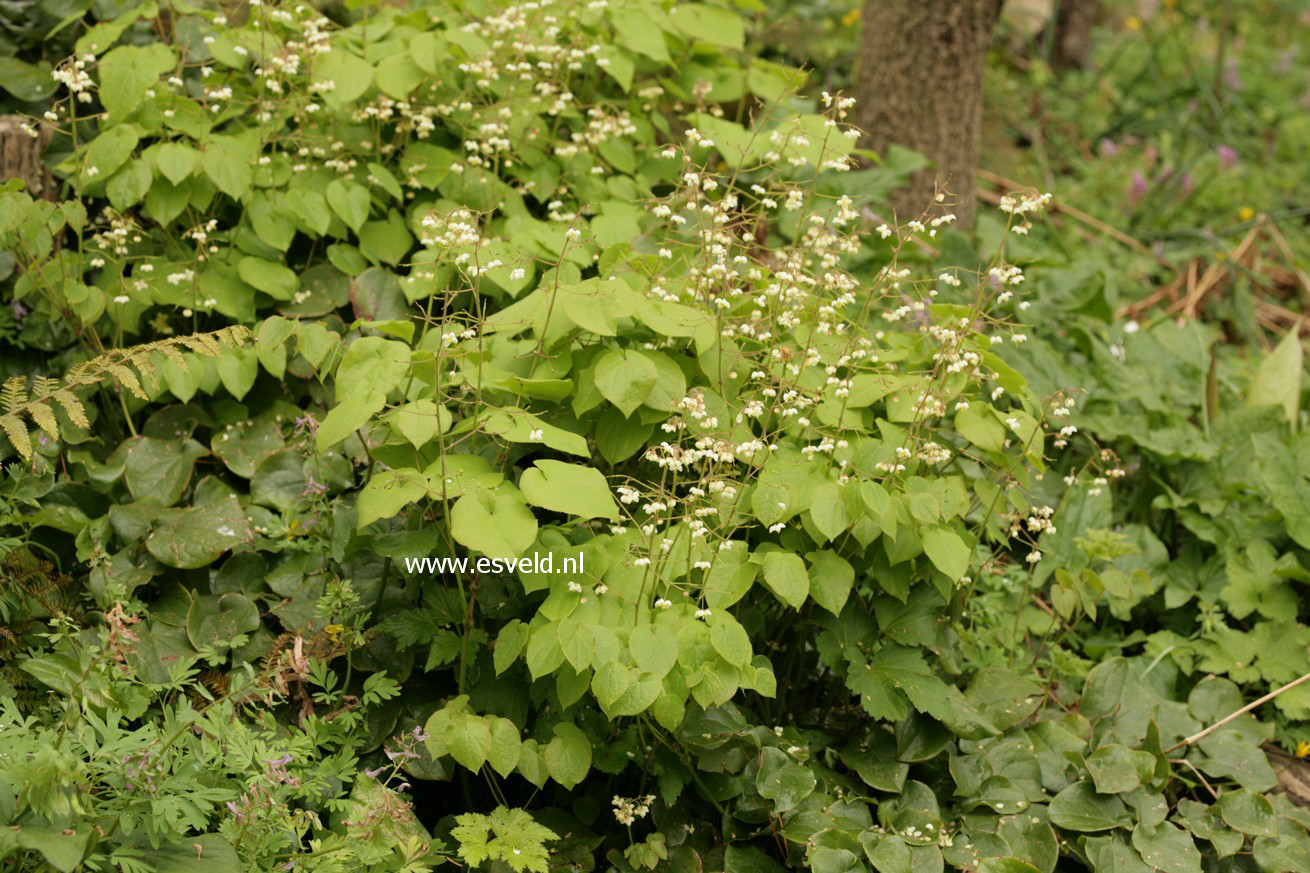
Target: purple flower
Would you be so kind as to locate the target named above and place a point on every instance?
(1187, 183)
(1109, 148)
(1137, 188)
(1227, 156)
(373, 774)
(1232, 78)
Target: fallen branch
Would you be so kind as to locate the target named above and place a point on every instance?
(1196, 737)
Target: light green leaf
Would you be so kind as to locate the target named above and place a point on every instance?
(509, 643)
(468, 739)
(176, 161)
(503, 755)
(350, 201)
(349, 74)
(625, 378)
(730, 639)
(569, 488)
(128, 72)
(831, 580)
(828, 511)
(786, 576)
(419, 421)
(979, 425)
(711, 24)
(387, 492)
(496, 523)
(1277, 381)
(568, 757)
(227, 161)
(652, 651)
(947, 551)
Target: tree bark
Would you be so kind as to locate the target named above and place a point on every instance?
(1072, 32)
(20, 156)
(919, 85)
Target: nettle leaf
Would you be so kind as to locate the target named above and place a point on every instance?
(569, 488)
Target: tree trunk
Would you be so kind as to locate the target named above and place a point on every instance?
(20, 156)
(919, 85)
(1072, 32)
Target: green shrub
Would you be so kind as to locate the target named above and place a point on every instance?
(496, 283)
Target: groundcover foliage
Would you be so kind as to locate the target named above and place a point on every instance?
(325, 298)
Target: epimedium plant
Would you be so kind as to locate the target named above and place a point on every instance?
(557, 278)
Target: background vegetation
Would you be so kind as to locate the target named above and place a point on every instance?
(911, 543)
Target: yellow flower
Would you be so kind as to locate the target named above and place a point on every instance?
(1133, 23)
(1303, 749)
(851, 17)
(1246, 213)
(334, 630)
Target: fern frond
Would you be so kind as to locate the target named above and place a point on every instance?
(16, 430)
(14, 393)
(44, 417)
(115, 364)
(125, 377)
(73, 407)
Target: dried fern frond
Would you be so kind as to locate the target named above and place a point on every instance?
(126, 367)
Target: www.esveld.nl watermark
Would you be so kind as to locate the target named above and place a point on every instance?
(537, 563)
